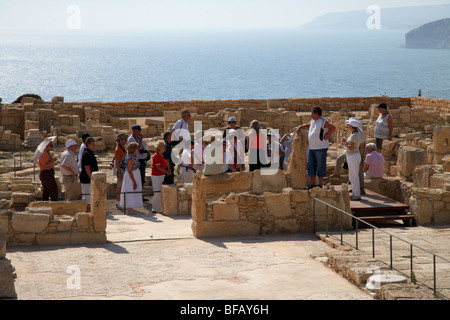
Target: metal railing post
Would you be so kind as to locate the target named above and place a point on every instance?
(314, 215)
(390, 242)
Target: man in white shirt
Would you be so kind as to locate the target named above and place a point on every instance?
(180, 130)
(142, 155)
(70, 171)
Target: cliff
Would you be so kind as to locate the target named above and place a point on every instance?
(400, 18)
(431, 35)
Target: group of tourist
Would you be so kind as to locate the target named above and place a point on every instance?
(131, 157)
(360, 159)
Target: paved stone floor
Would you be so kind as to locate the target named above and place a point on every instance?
(156, 257)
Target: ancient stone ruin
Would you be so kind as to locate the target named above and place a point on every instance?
(416, 171)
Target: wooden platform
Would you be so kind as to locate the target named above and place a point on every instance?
(374, 207)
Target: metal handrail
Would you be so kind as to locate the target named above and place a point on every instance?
(373, 239)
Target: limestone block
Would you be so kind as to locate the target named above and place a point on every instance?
(22, 187)
(205, 229)
(169, 195)
(441, 139)
(20, 198)
(296, 170)
(64, 224)
(184, 207)
(446, 164)
(30, 222)
(78, 238)
(5, 194)
(272, 183)
(7, 289)
(53, 239)
(286, 226)
(5, 185)
(98, 200)
(297, 195)
(223, 211)
(232, 199)
(2, 241)
(422, 175)
(247, 199)
(278, 205)
(409, 158)
(228, 182)
(82, 221)
(442, 217)
(62, 207)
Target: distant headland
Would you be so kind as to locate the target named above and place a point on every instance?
(435, 35)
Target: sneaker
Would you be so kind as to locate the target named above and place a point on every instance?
(355, 198)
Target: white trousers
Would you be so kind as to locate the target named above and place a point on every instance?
(157, 197)
(353, 161)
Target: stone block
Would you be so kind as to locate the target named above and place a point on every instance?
(78, 238)
(82, 221)
(98, 200)
(272, 183)
(223, 211)
(53, 239)
(298, 195)
(70, 208)
(169, 195)
(30, 222)
(441, 139)
(409, 158)
(442, 217)
(2, 241)
(278, 205)
(20, 199)
(286, 226)
(228, 182)
(7, 288)
(206, 229)
(64, 224)
(247, 199)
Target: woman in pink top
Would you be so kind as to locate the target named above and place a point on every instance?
(374, 163)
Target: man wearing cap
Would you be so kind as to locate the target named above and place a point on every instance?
(231, 126)
(82, 147)
(142, 154)
(181, 127)
(384, 126)
(70, 171)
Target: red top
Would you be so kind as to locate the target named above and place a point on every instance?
(158, 159)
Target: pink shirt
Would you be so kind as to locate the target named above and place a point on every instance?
(375, 161)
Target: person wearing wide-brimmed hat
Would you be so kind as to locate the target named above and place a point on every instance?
(353, 155)
(384, 126)
(70, 171)
(47, 174)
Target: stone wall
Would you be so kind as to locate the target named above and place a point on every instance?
(59, 222)
(246, 207)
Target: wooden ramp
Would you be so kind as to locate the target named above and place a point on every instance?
(374, 207)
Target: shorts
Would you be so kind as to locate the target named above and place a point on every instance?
(317, 163)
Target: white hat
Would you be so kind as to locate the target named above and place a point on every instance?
(70, 143)
(353, 122)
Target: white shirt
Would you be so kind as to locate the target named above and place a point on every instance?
(80, 155)
(313, 134)
(181, 128)
(186, 157)
(139, 156)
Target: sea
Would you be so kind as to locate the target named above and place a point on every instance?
(219, 64)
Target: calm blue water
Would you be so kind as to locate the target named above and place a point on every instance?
(219, 65)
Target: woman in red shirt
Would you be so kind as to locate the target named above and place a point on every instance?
(159, 170)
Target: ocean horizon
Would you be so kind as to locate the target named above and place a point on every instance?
(219, 65)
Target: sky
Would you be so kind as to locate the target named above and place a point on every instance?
(140, 15)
